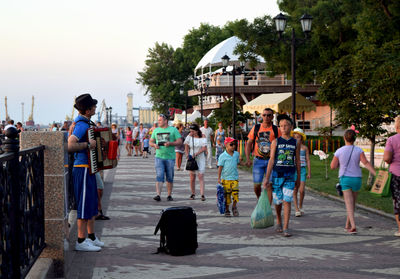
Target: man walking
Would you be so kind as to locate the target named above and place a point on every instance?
(208, 132)
(164, 139)
(135, 140)
(85, 188)
(259, 144)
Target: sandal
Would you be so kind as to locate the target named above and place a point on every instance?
(227, 213)
(286, 233)
(235, 212)
(192, 196)
(278, 228)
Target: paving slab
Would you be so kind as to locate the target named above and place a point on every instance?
(228, 247)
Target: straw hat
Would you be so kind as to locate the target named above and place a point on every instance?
(300, 132)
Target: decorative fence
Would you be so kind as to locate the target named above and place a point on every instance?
(21, 211)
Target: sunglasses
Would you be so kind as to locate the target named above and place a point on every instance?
(267, 115)
(232, 144)
(163, 116)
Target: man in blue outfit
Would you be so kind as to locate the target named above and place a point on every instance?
(85, 188)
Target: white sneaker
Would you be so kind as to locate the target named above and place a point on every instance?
(86, 246)
(210, 167)
(95, 242)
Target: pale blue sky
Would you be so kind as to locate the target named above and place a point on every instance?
(56, 50)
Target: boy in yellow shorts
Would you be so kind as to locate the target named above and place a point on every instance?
(228, 175)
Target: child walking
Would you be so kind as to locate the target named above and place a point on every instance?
(228, 175)
(283, 164)
(305, 171)
(146, 143)
(219, 149)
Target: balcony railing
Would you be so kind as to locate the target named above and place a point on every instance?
(21, 211)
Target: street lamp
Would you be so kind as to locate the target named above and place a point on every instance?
(110, 110)
(202, 86)
(225, 62)
(280, 23)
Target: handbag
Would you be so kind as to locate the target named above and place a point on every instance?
(338, 186)
(381, 185)
(191, 163)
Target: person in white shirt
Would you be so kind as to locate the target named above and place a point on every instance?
(208, 132)
(195, 147)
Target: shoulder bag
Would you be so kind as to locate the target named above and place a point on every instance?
(191, 163)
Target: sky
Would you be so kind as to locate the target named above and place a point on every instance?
(56, 50)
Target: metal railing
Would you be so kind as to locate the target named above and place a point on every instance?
(21, 211)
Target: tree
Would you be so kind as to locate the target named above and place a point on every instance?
(167, 70)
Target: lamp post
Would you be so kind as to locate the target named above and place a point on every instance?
(202, 86)
(225, 61)
(280, 22)
(110, 110)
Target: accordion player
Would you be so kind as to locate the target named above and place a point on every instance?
(104, 156)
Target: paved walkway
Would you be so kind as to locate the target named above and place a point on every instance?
(228, 247)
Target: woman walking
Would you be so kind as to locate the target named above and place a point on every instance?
(179, 149)
(392, 157)
(196, 147)
(348, 159)
(128, 144)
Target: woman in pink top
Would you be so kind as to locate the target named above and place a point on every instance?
(392, 157)
(128, 144)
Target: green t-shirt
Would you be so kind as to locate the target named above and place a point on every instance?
(162, 135)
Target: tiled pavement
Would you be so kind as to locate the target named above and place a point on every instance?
(228, 247)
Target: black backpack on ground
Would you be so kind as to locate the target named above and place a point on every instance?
(178, 231)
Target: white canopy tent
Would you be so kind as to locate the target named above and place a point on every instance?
(192, 117)
(213, 56)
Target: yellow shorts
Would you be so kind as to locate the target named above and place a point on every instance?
(231, 188)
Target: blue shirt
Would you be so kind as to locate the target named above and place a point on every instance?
(146, 143)
(229, 165)
(81, 127)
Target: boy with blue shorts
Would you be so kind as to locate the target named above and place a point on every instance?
(85, 187)
(282, 166)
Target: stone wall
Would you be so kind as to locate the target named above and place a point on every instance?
(55, 184)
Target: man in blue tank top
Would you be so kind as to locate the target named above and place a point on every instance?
(284, 161)
(85, 187)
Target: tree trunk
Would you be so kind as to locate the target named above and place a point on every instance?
(372, 160)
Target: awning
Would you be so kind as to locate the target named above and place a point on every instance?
(279, 102)
(213, 56)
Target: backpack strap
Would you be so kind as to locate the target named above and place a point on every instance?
(256, 130)
(275, 129)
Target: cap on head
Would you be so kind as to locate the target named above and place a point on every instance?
(229, 140)
(84, 102)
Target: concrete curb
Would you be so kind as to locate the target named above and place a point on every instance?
(41, 269)
(360, 206)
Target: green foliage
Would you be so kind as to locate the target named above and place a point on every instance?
(167, 70)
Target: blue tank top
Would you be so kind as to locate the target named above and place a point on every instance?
(303, 162)
(221, 136)
(285, 156)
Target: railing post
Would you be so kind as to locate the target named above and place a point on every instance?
(11, 145)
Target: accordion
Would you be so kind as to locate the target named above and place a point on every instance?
(104, 156)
